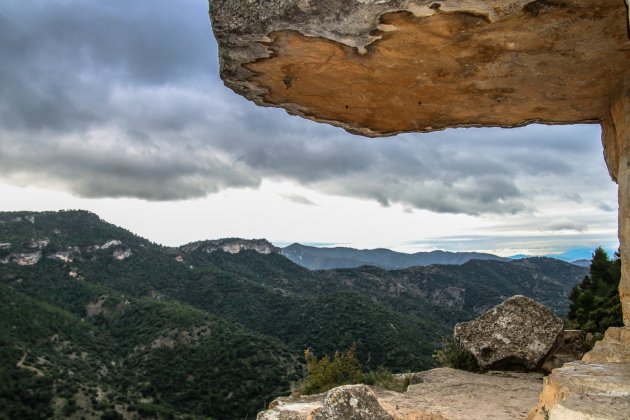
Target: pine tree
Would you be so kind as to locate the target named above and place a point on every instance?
(595, 304)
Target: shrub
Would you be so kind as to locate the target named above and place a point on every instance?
(325, 374)
(454, 356)
(385, 378)
(344, 369)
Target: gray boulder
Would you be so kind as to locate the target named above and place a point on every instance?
(351, 402)
(516, 334)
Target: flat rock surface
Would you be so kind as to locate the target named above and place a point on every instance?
(439, 394)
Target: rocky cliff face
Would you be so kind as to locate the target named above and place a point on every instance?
(33, 250)
(232, 246)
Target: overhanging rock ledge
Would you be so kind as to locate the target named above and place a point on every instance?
(381, 67)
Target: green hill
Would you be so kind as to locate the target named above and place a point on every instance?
(98, 322)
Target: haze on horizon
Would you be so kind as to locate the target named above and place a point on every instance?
(116, 107)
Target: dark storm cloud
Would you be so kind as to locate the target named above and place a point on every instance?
(61, 58)
(122, 99)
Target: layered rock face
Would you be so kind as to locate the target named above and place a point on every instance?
(518, 333)
(586, 391)
(616, 140)
(379, 67)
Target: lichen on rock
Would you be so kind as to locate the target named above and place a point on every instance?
(351, 402)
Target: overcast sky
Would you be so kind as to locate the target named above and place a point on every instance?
(116, 107)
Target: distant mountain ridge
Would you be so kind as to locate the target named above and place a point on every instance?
(582, 263)
(315, 258)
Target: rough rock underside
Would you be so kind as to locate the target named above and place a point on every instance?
(380, 67)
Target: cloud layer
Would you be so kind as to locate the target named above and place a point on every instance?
(122, 99)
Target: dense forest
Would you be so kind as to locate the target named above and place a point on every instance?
(595, 303)
(97, 322)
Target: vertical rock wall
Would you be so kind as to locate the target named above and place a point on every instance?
(616, 140)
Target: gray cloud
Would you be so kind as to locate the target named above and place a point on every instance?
(122, 99)
(298, 199)
(565, 225)
(605, 207)
(537, 244)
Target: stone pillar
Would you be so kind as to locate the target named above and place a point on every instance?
(615, 347)
(616, 140)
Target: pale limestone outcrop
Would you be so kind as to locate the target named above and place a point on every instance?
(122, 254)
(30, 258)
(231, 246)
(437, 394)
(109, 244)
(517, 333)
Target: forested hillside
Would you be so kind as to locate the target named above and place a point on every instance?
(96, 321)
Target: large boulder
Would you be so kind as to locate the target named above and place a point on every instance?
(517, 333)
(351, 402)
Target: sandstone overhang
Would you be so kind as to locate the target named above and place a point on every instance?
(381, 67)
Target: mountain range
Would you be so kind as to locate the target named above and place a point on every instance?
(98, 322)
(319, 258)
(325, 258)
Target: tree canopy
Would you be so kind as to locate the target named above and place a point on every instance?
(595, 303)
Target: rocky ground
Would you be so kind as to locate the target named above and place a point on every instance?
(437, 394)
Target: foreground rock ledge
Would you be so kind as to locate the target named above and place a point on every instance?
(438, 394)
(380, 67)
(590, 391)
